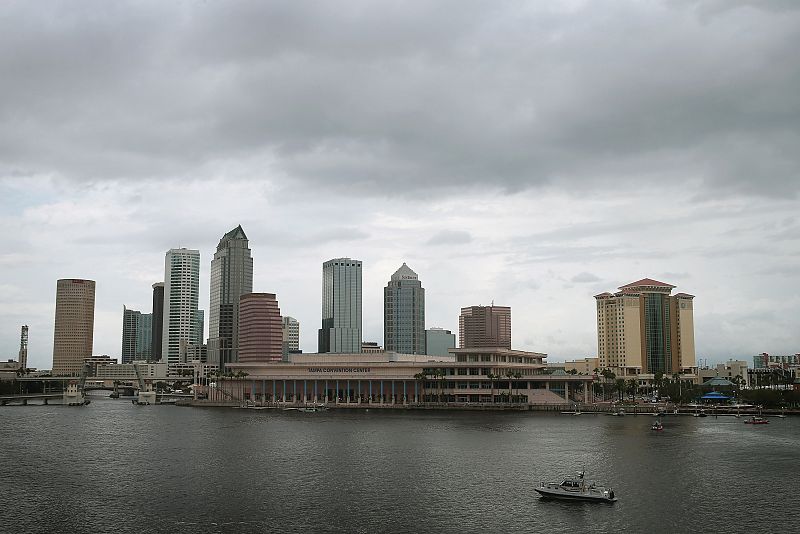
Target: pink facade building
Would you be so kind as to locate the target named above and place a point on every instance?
(260, 328)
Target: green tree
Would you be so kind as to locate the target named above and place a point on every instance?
(658, 381)
(509, 375)
(631, 386)
(492, 377)
(608, 382)
(420, 378)
(619, 386)
(439, 374)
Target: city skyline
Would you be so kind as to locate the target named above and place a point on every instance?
(200, 320)
(535, 170)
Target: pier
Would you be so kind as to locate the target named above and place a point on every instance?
(24, 399)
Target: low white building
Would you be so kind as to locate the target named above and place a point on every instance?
(125, 371)
(194, 368)
(728, 370)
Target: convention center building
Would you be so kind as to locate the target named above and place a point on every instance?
(475, 376)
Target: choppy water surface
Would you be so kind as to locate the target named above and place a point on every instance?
(114, 467)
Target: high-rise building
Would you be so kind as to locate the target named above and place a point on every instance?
(438, 341)
(404, 313)
(137, 335)
(231, 277)
(291, 336)
(190, 352)
(23, 347)
(341, 306)
(73, 334)
(130, 329)
(181, 292)
(484, 326)
(144, 337)
(158, 321)
(642, 328)
(260, 328)
(198, 327)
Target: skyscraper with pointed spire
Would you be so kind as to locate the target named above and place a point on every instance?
(404, 313)
(231, 277)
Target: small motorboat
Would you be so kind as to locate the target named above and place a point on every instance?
(576, 489)
(756, 420)
(313, 409)
(657, 426)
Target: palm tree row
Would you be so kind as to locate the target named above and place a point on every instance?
(223, 375)
(439, 374)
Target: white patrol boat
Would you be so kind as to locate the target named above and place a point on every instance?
(576, 489)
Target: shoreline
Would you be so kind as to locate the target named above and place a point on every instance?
(561, 409)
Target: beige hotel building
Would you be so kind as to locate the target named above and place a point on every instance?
(643, 329)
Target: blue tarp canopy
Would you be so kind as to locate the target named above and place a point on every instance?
(714, 396)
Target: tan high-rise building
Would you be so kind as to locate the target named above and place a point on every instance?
(260, 328)
(484, 326)
(74, 325)
(643, 328)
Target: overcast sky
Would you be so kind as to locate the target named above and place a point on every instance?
(527, 153)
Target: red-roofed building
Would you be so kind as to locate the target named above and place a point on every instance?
(644, 329)
(647, 282)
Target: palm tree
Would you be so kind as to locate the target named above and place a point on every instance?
(420, 378)
(658, 381)
(439, 373)
(631, 386)
(620, 387)
(240, 376)
(509, 375)
(608, 379)
(492, 377)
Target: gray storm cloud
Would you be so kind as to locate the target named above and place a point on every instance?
(359, 95)
(531, 153)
